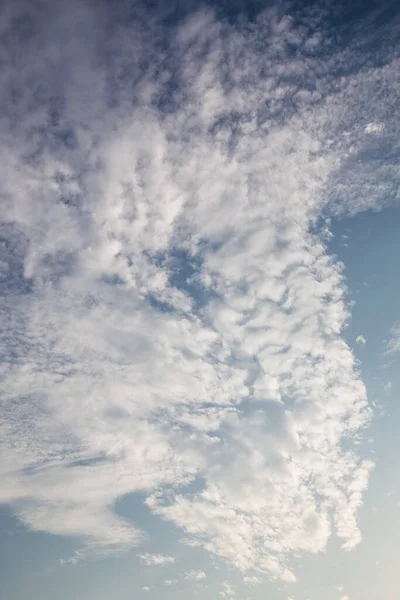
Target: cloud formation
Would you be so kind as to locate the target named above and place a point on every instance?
(228, 591)
(195, 575)
(151, 560)
(393, 344)
(169, 312)
(252, 580)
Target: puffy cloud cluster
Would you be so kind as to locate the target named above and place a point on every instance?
(169, 312)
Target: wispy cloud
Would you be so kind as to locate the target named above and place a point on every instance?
(252, 580)
(228, 590)
(194, 575)
(151, 560)
(169, 310)
(393, 344)
(360, 339)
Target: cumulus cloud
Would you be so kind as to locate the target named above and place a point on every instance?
(146, 588)
(360, 339)
(169, 312)
(151, 560)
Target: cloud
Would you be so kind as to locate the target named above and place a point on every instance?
(393, 344)
(151, 560)
(169, 582)
(228, 590)
(72, 560)
(360, 339)
(252, 580)
(194, 575)
(374, 128)
(387, 387)
(146, 588)
(169, 312)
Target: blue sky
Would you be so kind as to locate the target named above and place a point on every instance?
(199, 326)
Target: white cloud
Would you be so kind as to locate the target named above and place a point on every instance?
(228, 590)
(169, 582)
(360, 339)
(252, 580)
(146, 588)
(71, 560)
(170, 315)
(394, 341)
(156, 559)
(194, 575)
(374, 128)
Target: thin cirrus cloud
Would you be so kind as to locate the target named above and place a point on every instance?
(169, 312)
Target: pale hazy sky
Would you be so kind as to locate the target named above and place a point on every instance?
(199, 316)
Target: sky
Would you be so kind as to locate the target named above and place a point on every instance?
(199, 317)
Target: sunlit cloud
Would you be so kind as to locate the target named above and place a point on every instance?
(171, 317)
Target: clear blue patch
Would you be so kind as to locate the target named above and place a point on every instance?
(184, 274)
